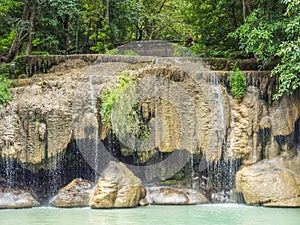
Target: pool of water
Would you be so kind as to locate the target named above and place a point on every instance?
(157, 215)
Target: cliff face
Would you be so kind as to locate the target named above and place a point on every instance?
(185, 106)
(37, 124)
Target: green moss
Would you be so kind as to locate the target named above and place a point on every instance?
(130, 53)
(112, 52)
(19, 82)
(39, 53)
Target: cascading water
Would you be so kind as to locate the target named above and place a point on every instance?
(231, 142)
(8, 160)
(9, 172)
(94, 136)
(220, 175)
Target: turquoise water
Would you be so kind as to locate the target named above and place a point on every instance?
(222, 214)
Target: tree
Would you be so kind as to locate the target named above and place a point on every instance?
(7, 20)
(147, 20)
(289, 52)
(272, 34)
(25, 26)
(212, 21)
(58, 27)
(39, 25)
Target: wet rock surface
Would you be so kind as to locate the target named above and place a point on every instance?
(76, 194)
(173, 196)
(17, 199)
(118, 188)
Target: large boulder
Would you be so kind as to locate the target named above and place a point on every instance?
(271, 182)
(118, 188)
(76, 194)
(17, 199)
(174, 196)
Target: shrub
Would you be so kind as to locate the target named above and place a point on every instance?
(4, 90)
(113, 51)
(109, 98)
(237, 83)
(122, 101)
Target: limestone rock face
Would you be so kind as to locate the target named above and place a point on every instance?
(36, 124)
(118, 188)
(48, 110)
(173, 196)
(17, 199)
(184, 105)
(193, 111)
(271, 182)
(76, 194)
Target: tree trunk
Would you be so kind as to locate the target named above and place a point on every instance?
(25, 27)
(244, 10)
(31, 29)
(233, 19)
(247, 8)
(21, 33)
(138, 33)
(106, 11)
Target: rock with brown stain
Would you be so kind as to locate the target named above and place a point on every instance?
(118, 188)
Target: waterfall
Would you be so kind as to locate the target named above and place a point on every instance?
(9, 173)
(95, 135)
(200, 133)
(219, 113)
(231, 146)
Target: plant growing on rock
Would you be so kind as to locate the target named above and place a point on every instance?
(4, 84)
(117, 103)
(237, 83)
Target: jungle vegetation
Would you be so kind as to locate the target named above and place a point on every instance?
(268, 30)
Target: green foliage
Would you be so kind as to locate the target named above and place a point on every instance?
(259, 37)
(211, 21)
(5, 94)
(121, 104)
(102, 40)
(289, 52)
(4, 70)
(6, 41)
(273, 37)
(113, 51)
(130, 53)
(109, 98)
(182, 51)
(237, 83)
